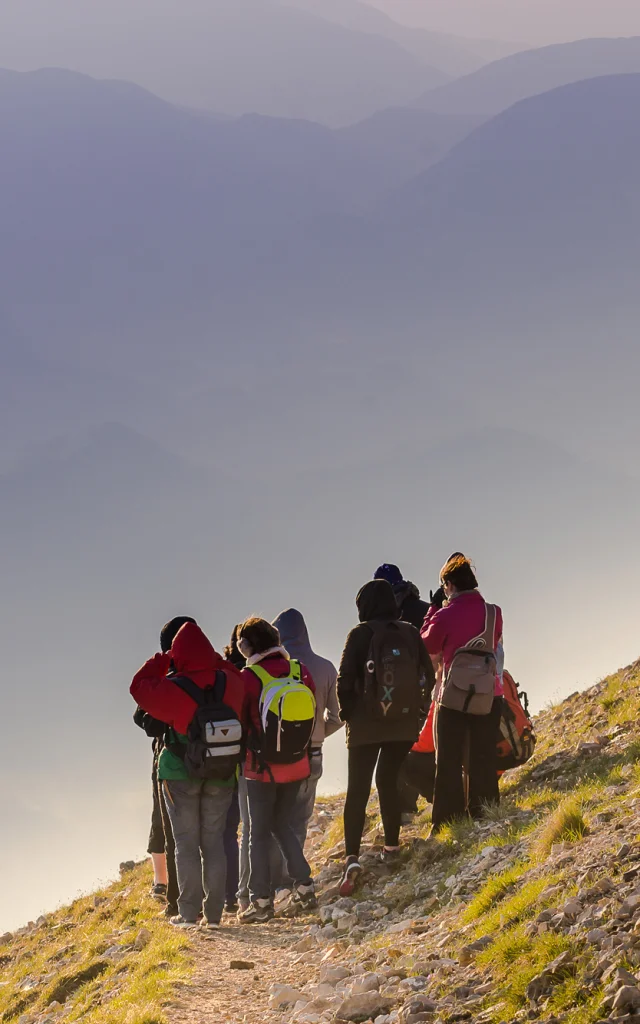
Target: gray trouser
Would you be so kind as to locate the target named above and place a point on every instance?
(198, 812)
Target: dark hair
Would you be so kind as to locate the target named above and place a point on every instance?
(259, 633)
(231, 652)
(459, 572)
(169, 631)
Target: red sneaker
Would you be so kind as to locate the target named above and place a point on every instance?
(350, 877)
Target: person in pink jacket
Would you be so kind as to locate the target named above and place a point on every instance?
(464, 742)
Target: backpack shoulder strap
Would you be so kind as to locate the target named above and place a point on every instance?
(219, 686)
(296, 670)
(489, 627)
(189, 687)
(262, 675)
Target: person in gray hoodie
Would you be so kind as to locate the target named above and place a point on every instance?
(294, 637)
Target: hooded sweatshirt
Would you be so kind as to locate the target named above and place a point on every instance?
(412, 608)
(376, 603)
(294, 637)
(191, 655)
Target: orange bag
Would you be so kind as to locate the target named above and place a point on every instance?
(517, 740)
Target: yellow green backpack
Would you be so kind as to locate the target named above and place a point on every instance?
(287, 715)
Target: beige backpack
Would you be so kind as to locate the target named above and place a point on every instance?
(469, 685)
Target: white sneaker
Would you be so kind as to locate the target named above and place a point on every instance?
(181, 922)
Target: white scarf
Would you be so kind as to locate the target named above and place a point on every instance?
(253, 659)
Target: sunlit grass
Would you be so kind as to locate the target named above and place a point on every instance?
(515, 959)
(566, 823)
(65, 958)
(494, 889)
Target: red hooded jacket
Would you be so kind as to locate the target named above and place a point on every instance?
(277, 666)
(193, 656)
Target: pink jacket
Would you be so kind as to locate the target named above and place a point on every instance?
(446, 630)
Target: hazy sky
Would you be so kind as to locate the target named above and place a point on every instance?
(536, 21)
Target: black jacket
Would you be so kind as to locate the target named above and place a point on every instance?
(376, 603)
(412, 609)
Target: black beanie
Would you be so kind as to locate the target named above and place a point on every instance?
(168, 633)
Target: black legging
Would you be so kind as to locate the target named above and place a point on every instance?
(362, 763)
(469, 741)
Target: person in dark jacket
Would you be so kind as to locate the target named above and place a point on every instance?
(372, 738)
(412, 608)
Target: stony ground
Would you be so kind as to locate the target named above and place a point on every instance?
(533, 915)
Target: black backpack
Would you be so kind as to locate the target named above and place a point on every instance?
(214, 744)
(394, 680)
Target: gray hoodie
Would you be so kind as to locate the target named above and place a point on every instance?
(294, 637)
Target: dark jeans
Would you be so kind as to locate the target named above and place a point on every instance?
(419, 773)
(362, 764)
(231, 850)
(276, 864)
(304, 809)
(198, 811)
(169, 849)
(156, 835)
(468, 742)
(271, 813)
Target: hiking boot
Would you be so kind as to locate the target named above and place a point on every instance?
(304, 897)
(352, 872)
(208, 926)
(282, 899)
(181, 922)
(257, 912)
(158, 891)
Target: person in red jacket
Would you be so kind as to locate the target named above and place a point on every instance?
(197, 808)
(273, 786)
(462, 740)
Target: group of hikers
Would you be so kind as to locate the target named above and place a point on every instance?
(238, 739)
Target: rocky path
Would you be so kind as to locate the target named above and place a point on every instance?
(235, 971)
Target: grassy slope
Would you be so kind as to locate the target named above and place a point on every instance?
(83, 957)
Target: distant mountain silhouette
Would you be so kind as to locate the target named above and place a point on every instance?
(125, 208)
(229, 56)
(455, 56)
(497, 86)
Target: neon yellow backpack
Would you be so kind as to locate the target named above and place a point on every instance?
(287, 714)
